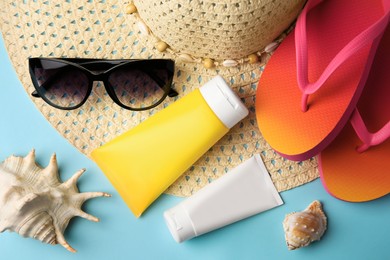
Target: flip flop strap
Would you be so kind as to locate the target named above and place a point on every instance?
(361, 40)
(369, 139)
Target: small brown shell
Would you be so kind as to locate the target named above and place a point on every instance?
(302, 228)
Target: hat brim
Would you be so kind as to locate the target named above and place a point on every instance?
(99, 30)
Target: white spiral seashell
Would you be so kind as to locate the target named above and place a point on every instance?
(34, 203)
(144, 29)
(271, 47)
(230, 63)
(302, 228)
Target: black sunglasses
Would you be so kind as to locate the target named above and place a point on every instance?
(66, 83)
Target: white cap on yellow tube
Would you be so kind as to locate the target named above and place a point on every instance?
(226, 105)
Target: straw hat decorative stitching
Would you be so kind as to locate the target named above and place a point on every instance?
(199, 30)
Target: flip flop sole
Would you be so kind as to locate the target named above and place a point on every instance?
(353, 176)
(299, 135)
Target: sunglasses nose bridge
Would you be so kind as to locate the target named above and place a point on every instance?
(98, 76)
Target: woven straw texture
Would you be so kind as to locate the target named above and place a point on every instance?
(101, 29)
(238, 28)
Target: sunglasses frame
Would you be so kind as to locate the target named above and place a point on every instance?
(114, 64)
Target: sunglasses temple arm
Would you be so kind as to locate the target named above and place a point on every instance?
(172, 93)
(35, 94)
(48, 81)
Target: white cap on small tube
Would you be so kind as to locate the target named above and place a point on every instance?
(179, 224)
(223, 101)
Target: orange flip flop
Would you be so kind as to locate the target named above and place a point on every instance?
(335, 42)
(350, 169)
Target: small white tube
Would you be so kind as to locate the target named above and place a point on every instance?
(242, 192)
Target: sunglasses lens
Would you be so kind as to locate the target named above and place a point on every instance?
(139, 88)
(60, 84)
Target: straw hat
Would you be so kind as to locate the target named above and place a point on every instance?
(231, 38)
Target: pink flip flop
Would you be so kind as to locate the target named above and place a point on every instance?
(313, 81)
(356, 166)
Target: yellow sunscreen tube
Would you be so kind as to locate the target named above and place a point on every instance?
(143, 162)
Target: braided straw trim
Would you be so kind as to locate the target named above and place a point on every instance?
(259, 56)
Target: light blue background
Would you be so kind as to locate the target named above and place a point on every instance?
(355, 231)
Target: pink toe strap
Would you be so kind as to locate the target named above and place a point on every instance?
(301, 49)
(369, 139)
